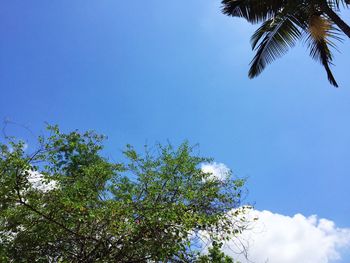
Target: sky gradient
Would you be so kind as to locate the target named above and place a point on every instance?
(175, 70)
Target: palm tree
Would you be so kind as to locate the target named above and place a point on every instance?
(284, 22)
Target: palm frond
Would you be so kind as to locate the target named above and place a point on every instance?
(278, 35)
(254, 11)
(319, 51)
(337, 4)
(319, 43)
(286, 21)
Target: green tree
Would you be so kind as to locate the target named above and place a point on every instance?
(284, 22)
(215, 255)
(68, 203)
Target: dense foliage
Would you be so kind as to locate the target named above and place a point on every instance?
(68, 203)
(215, 255)
(284, 22)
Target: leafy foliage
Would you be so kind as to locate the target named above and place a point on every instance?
(285, 22)
(151, 208)
(215, 255)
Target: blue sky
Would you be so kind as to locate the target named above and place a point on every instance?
(144, 73)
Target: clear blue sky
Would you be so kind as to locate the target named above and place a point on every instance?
(145, 72)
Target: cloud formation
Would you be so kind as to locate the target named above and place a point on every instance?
(38, 182)
(217, 170)
(276, 238)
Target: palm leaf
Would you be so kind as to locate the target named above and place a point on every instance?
(278, 35)
(319, 51)
(254, 11)
(337, 4)
(319, 43)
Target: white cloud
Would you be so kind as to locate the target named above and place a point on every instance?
(276, 238)
(218, 170)
(38, 182)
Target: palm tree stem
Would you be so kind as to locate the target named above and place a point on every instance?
(336, 19)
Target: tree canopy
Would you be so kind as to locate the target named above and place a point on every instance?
(215, 255)
(67, 202)
(284, 22)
